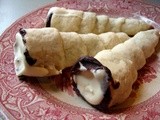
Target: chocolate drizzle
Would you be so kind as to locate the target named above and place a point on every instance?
(48, 22)
(29, 59)
(23, 33)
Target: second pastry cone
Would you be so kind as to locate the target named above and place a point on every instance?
(46, 51)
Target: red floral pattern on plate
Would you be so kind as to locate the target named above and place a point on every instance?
(28, 100)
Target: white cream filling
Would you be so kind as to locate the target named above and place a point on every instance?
(21, 65)
(90, 88)
(82, 67)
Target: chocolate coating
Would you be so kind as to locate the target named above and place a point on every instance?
(23, 33)
(89, 63)
(48, 22)
(29, 59)
(92, 63)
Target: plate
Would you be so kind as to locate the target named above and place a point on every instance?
(37, 98)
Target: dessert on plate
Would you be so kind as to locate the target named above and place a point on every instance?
(46, 51)
(107, 78)
(69, 20)
(103, 54)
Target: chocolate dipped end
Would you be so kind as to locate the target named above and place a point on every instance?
(91, 81)
(24, 63)
(48, 22)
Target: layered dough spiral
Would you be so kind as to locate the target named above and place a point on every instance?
(69, 20)
(125, 59)
(46, 51)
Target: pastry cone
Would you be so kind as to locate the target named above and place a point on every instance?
(107, 79)
(46, 51)
(68, 20)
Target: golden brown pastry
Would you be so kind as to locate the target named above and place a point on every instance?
(46, 51)
(68, 20)
(106, 79)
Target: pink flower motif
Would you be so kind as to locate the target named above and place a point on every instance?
(88, 116)
(46, 113)
(41, 111)
(12, 100)
(147, 74)
(97, 5)
(6, 61)
(151, 115)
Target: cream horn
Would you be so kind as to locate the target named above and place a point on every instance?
(69, 20)
(106, 79)
(46, 51)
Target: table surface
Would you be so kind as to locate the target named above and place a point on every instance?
(11, 10)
